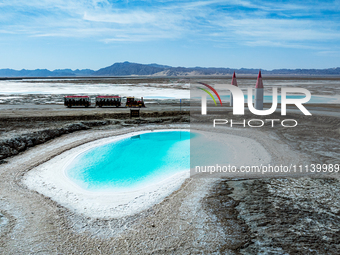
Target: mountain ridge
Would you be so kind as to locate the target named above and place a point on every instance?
(136, 69)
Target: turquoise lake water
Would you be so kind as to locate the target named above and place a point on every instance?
(132, 162)
(140, 160)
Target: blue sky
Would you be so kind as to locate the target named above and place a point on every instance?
(93, 34)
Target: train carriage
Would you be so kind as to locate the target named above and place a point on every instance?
(70, 101)
(108, 101)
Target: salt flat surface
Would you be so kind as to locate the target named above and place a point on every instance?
(153, 90)
(323, 91)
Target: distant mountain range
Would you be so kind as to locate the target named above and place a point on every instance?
(127, 69)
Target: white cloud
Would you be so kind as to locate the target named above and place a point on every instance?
(259, 31)
(135, 17)
(251, 24)
(329, 53)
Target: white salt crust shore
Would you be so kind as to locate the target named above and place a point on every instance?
(243, 152)
(50, 179)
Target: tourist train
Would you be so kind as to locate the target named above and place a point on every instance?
(102, 101)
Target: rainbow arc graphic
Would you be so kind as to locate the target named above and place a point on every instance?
(209, 93)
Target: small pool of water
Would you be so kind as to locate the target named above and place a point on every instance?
(132, 162)
(145, 159)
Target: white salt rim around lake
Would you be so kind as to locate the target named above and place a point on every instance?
(50, 179)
